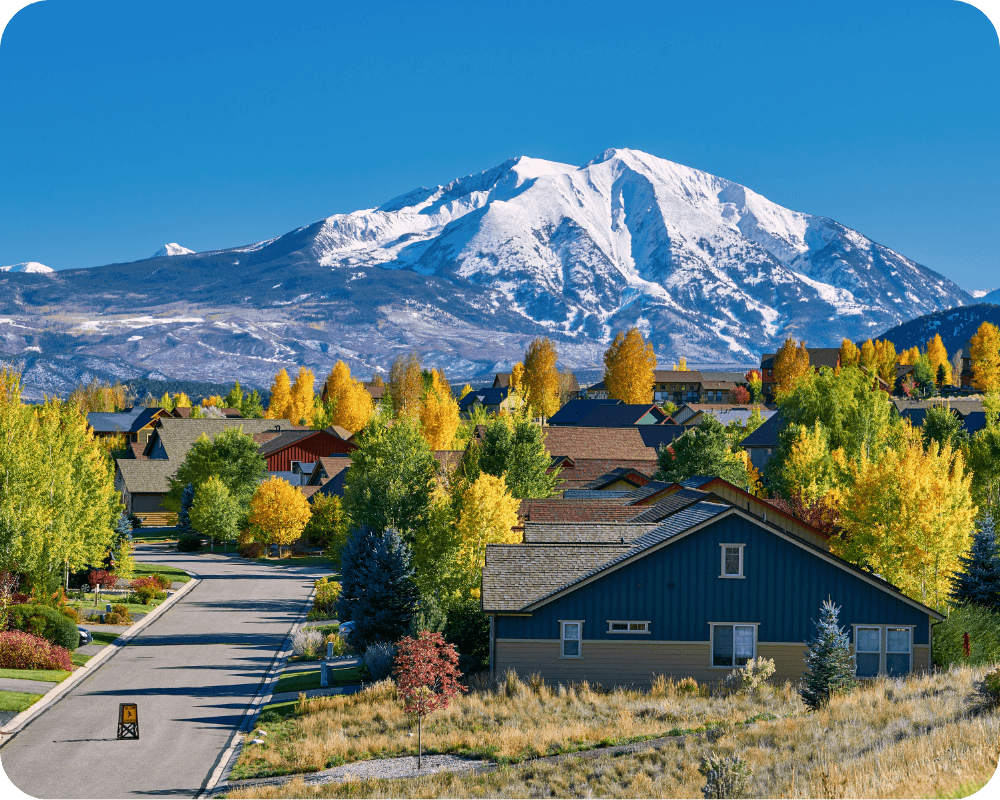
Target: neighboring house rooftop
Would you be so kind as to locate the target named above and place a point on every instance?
(487, 396)
(623, 415)
(576, 410)
(129, 420)
(766, 435)
(637, 443)
(581, 473)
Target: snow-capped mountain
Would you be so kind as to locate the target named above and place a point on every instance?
(27, 266)
(172, 249)
(469, 272)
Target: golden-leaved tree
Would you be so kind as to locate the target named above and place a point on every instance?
(303, 405)
(808, 469)
(181, 400)
(406, 386)
(488, 516)
(849, 354)
(439, 413)
(791, 362)
(985, 353)
(281, 397)
(99, 396)
(629, 365)
(279, 512)
(517, 378)
(885, 361)
(541, 378)
(907, 515)
(352, 405)
(910, 356)
(938, 356)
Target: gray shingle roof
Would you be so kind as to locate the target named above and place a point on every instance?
(584, 532)
(128, 421)
(176, 436)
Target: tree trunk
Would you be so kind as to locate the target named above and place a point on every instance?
(419, 741)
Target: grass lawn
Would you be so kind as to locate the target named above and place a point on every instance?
(309, 679)
(173, 573)
(909, 737)
(154, 535)
(52, 675)
(300, 561)
(104, 637)
(17, 701)
(79, 659)
(87, 606)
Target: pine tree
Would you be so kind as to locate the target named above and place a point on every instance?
(184, 513)
(377, 590)
(830, 666)
(978, 580)
(629, 365)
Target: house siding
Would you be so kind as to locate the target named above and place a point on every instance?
(309, 450)
(678, 589)
(148, 503)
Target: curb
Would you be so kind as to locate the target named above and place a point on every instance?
(228, 758)
(53, 695)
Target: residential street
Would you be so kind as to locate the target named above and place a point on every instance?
(192, 673)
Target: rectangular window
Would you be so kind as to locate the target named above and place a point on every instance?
(897, 651)
(733, 645)
(867, 651)
(571, 639)
(732, 560)
(624, 626)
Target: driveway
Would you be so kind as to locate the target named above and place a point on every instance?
(192, 672)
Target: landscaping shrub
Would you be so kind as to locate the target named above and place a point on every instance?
(145, 590)
(983, 627)
(379, 658)
(325, 603)
(70, 613)
(751, 677)
(119, 615)
(468, 628)
(188, 543)
(102, 578)
(339, 645)
(20, 650)
(162, 581)
(45, 622)
(307, 644)
(251, 549)
(725, 777)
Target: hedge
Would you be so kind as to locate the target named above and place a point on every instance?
(983, 627)
(46, 622)
(20, 650)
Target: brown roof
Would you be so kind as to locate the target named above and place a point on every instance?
(559, 510)
(308, 491)
(331, 466)
(377, 392)
(583, 532)
(580, 472)
(676, 376)
(599, 443)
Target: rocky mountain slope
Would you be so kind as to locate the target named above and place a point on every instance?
(469, 272)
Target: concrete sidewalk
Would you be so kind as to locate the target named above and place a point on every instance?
(22, 685)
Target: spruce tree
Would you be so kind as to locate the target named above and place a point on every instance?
(978, 581)
(377, 592)
(829, 663)
(184, 514)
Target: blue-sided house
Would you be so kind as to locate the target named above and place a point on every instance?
(698, 595)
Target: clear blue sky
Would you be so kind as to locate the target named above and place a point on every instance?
(213, 124)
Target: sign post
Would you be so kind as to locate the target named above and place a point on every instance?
(128, 721)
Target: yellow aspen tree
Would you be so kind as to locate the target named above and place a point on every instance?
(214, 400)
(352, 404)
(541, 378)
(488, 516)
(867, 356)
(439, 416)
(682, 364)
(377, 379)
(938, 356)
(406, 386)
(956, 368)
(885, 361)
(181, 400)
(166, 402)
(984, 351)
(808, 469)
(517, 379)
(907, 515)
(909, 357)
(279, 512)
(849, 354)
(791, 362)
(465, 390)
(303, 406)
(629, 365)
(281, 397)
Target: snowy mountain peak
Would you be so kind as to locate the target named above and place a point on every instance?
(172, 249)
(27, 266)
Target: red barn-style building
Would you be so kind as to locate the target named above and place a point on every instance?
(281, 448)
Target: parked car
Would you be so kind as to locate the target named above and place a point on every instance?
(85, 637)
(345, 630)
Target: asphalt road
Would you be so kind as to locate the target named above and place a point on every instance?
(192, 672)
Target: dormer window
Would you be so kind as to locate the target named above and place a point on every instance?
(732, 560)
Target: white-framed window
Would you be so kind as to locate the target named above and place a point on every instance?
(572, 636)
(733, 643)
(732, 560)
(627, 626)
(883, 650)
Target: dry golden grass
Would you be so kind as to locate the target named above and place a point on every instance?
(891, 738)
(509, 720)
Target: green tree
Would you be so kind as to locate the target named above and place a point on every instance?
(942, 425)
(514, 448)
(829, 664)
(703, 450)
(252, 406)
(235, 397)
(436, 550)
(232, 456)
(214, 513)
(391, 477)
(923, 373)
(327, 527)
(984, 463)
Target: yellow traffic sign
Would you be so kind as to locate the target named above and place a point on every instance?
(128, 721)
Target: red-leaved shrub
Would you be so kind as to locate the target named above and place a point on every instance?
(146, 589)
(19, 650)
(102, 578)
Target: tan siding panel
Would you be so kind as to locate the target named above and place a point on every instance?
(607, 663)
(921, 657)
(789, 659)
